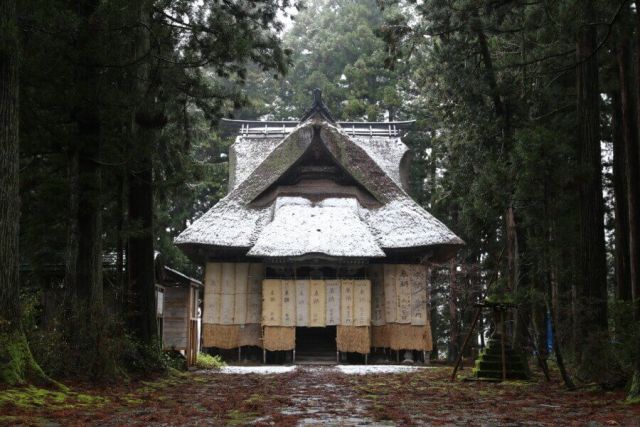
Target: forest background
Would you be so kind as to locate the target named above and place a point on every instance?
(525, 144)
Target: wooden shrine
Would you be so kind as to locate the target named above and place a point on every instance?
(317, 245)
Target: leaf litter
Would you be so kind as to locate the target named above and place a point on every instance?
(312, 395)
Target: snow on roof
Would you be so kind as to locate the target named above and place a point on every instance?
(289, 227)
(386, 152)
(331, 227)
(228, 223)
(403, 223)
(246, 154)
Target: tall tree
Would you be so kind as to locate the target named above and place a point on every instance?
(592, 266)
(634, 216)
(16, 362)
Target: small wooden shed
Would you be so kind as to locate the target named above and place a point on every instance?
(178, 299)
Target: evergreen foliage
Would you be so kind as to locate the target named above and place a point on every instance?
(525, 144)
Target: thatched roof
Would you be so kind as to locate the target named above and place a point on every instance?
(340, 226)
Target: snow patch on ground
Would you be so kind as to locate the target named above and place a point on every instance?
(377, 369)
(343, 369)
(263, 370)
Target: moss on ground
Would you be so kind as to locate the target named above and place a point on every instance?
(236, 417)
(32, 397)
(17, 365)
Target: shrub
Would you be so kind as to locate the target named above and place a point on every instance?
(205, 361)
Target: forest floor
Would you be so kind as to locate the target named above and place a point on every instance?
(317, 396)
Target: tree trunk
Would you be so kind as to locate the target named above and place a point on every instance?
(17, 365)
(630, 153)
(147, 120)
(87, 304)
(454, 336)
(623, 290)
(634, 226)
(592, 268)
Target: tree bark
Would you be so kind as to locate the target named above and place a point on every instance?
(631, 152)
(634, 390)
(17, 365)
(623, 290)
(592, 268)
(147, 119)
(454, 334)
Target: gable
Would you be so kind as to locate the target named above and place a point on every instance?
(353, 159)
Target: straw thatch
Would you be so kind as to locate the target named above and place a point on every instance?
(354, 339)
(409, 337)
(220, 336)
(278, 338)
(380, 336)
(250, 334)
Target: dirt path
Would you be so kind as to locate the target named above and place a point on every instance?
(316, 398)
(306, 396)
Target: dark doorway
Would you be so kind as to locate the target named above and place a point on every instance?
(316, 345)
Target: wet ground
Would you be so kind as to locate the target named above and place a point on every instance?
(312, 395)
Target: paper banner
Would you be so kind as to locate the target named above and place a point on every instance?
(241, 285)
(228, 298)
(212, 288)
(288, 303)
(302, 303)
(376, 273)
(333, 302)
(403, 290)
(390, 296)
(346, 303)
(361, 303)
(271, 302)
(317, 303)
(419, 295)
(254, 294)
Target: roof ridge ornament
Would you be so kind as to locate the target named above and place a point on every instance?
(317, 108)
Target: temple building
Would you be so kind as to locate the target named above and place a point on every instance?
(317, 247)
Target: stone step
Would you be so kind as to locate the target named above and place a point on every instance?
(497, 365)
(497, 374)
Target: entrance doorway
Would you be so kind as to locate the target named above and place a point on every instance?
(316, 345)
